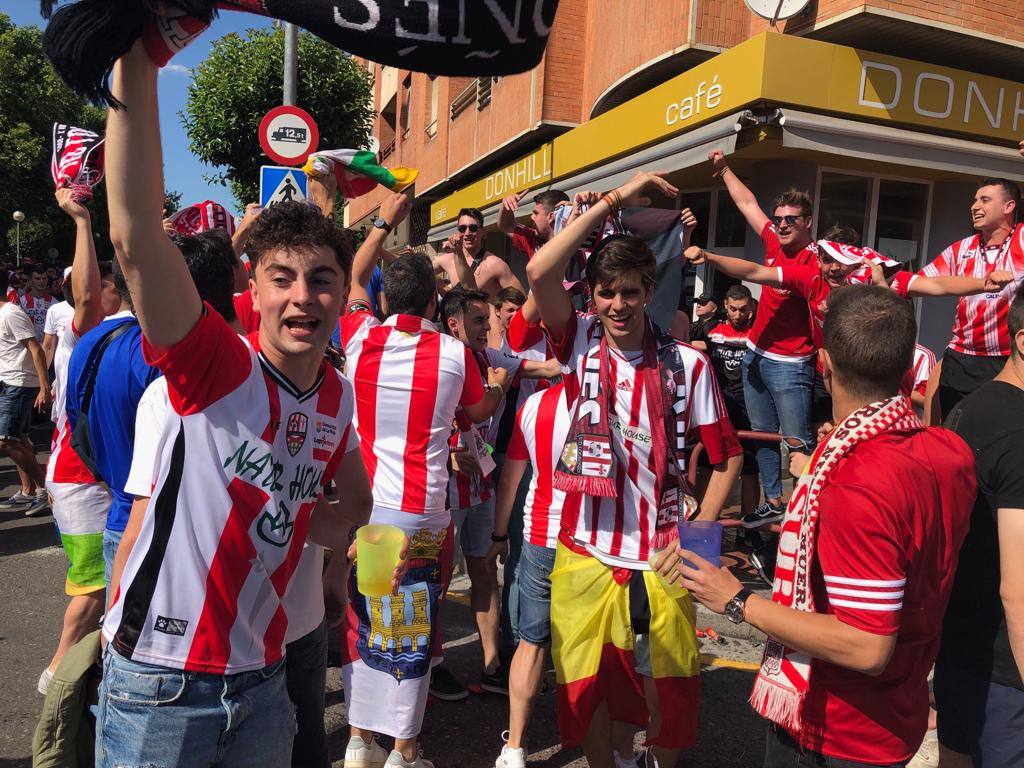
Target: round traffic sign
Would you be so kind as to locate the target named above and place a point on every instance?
(288, 135)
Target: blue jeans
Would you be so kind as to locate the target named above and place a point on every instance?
(534, 588)
(306, 676)
(509, 589)
(778, 397)
(111, 539)
(163, 717)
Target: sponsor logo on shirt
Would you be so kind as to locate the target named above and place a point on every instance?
(625, 385)
(295, 432)
(170, 626)
(631, 433)
(326, 435)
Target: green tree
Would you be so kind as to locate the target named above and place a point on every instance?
(242, 79)
(32, 99)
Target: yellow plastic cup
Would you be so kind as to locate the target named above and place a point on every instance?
(378, 548)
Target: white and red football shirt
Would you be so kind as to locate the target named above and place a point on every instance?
(408, 378)
(36, 309)
(980, 327)
(924, 362)
(304, 599)
(526, 341)
(618, 530)
(886, 569)
(538, 437)
(242, 461)
(64, 465)
(57, 317)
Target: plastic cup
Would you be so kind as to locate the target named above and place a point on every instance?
(673, 589)
(702, 537)
(378, 549)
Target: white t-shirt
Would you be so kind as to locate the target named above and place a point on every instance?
(57, 318)
(16, 366)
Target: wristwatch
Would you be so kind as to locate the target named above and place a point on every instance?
(379, 223)
(734, 608)
(498, 539)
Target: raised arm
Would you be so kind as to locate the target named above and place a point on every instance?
(741, 196)
(393, 209)
(535, 369)
(507, 213)
(547, 267)
(741, 269)
(165, 298)
(85, 270)
(993, 282)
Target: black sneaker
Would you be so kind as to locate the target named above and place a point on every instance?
(18, 501)
(764, 514)
(445, 687)
(40, 506)
(496, 682)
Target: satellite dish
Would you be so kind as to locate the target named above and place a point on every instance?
(773, 10)
(373, 145)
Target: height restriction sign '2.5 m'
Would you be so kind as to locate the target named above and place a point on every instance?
(288, 135)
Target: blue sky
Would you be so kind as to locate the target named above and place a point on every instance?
(183, 172)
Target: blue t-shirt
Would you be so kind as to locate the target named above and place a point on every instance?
(122, 378)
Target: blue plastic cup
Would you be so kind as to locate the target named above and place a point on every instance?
(702, 537)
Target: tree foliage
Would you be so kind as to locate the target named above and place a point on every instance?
(32, 99)
(242, 79)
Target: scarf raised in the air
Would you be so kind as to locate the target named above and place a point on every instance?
(77, 160)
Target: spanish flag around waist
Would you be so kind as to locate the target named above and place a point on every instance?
(593, 647)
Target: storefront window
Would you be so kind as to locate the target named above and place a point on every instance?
(899, 228)
(700, 204)
(844, 199)
(730, 226)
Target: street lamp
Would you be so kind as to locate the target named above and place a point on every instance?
(18, 218)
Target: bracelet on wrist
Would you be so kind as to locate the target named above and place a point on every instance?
(498, 539)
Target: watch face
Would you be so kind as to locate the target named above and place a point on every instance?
(734, 611)
(378, 222)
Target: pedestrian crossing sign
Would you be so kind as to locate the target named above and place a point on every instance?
(279, 185)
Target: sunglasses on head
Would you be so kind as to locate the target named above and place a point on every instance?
(472, 228)
(790, 220)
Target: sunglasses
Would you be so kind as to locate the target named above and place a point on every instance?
(471, 228)
(790, 220)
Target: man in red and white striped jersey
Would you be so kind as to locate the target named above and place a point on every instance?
(981, 341)
(264, 423)
(537, 438)
(641, 397)
(37, 299)
(409, 379)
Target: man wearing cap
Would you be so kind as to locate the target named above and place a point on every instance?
(708, 315)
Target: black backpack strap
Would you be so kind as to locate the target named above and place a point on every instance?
(94, 364)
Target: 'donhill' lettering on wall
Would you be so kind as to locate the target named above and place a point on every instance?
(519, 176)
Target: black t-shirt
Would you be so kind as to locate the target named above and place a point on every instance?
(726, 348)
(974, 636)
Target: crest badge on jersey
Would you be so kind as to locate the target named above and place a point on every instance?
(295, 432)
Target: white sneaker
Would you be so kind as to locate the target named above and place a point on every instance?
(928, 753)
(44, 681)
(511, 758)
(359, 754)
(395, 759)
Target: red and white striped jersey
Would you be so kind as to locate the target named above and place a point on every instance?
(465, 491)
(203, 588)
(36, 309)
(408, 380)
(924, 361)
(618, 530)
(528, 342)
(980, 326)
(539, 436)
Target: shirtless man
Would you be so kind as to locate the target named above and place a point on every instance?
(491, 272)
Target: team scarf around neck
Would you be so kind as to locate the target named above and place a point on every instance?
(587, 461)
(785, 675)
(468, 38)
(77, 160)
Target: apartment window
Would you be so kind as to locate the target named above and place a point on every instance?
(890, 214)
(406, 104)
(435, 87)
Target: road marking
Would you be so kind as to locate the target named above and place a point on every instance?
(718, 661)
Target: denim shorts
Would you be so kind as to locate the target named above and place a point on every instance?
(534, 582)
(150, 715)
(474, 526)
(15, 410)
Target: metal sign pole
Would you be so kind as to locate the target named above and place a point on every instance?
(291, 62)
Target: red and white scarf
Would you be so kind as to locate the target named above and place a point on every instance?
(202, 217)
(587, 461)
(785, 675)
(77, 160)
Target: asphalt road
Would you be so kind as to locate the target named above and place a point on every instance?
(466, 734)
